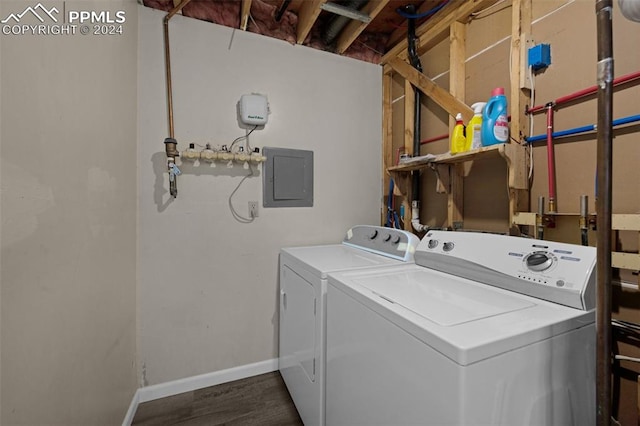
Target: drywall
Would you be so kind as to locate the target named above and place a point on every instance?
(208, 285)
(569, 26)
(68, 191)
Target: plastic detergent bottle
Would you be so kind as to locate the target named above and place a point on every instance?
(495, 124)
(474, 128)
(458, 141)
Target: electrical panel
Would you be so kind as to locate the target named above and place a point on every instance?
(287, 178)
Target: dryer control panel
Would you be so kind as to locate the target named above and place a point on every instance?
(558, 272)
(390, 242)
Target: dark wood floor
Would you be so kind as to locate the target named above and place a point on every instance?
(259, 400)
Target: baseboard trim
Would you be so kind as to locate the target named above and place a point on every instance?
(162, 390)
(131, 412)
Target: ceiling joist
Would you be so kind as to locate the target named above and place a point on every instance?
(355, 28)
(309, 11)
(244, 15)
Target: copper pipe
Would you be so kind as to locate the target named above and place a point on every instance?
(167, 62)
(551, 160)
(170, 143)
(604, 12)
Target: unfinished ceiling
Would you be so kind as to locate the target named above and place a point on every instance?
(374, 26)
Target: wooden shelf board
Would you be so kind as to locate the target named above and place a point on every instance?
(449, 158)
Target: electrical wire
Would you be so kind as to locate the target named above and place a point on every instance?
(533, 98)
(237, 216)
(429, 12)
(238, 139)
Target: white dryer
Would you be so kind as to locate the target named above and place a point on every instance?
(303, 281)
(482, 330)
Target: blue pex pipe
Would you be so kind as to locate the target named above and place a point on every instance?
(583, 129)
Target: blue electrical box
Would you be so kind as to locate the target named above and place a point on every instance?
(540, 56)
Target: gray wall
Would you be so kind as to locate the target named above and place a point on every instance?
(68, 192)
(208, 285)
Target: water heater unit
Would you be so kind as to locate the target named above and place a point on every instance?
(254, 109)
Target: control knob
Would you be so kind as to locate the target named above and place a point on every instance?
(538, 261)
(373, 234)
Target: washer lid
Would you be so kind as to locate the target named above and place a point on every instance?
(464, 320)
(446, 301)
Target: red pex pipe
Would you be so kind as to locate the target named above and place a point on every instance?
(434, 139)
(585, 92)
(551, 162)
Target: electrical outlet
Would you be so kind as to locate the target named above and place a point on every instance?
(253, 209)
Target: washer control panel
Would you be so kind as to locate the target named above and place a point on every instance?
(557, 272)
(389, 242)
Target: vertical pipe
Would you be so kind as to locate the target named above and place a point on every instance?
(540, 218)
(415, 62)
(604, 28)
(282, 9)
(584, 220)
(170, 143)
(551, 161)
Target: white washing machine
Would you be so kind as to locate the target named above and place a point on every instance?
(303, 281)
(482, 330)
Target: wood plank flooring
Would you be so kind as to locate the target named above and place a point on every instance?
(259, 400)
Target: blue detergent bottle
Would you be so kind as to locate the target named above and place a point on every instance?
(495, 122)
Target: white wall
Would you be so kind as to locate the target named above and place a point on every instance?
(207, 293)
(68, 191)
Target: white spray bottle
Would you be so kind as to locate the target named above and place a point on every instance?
(474, 128)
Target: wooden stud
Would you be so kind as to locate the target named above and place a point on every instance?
(244, 15)
(457, 74)
(520, 98)
(354, 28)
(387, 135)
(442, 97)
(309, 11)
(409, 120)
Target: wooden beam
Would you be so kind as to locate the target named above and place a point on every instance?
(409, 120)
(437, 27)
(387, 135)
(244, 15)
(457, 83)
(520, 97)
(355, 28)
(443, 98)
(309, 11)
